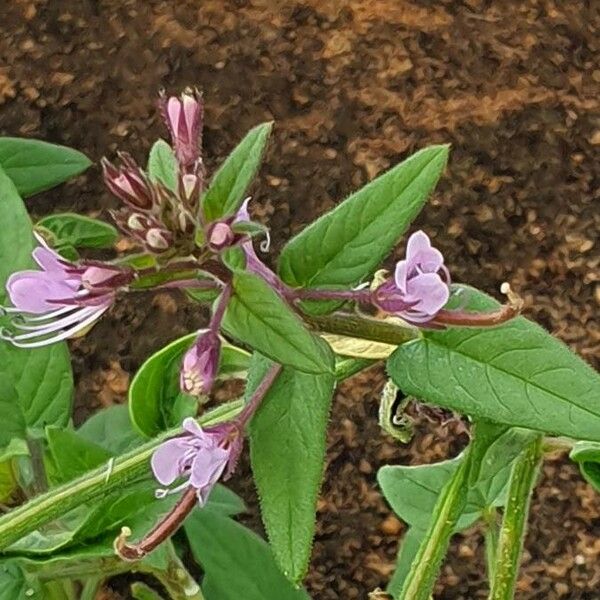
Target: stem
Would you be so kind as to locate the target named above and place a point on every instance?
(420, 580)
(363, 327)
(492, 533)
(512, 532)
(36, 454)
(257, 396)
(222, 302)
(312, 294)
(125, 469)
(161, 531)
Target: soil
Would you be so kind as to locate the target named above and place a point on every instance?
(353, 87)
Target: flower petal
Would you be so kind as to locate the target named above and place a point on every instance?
(30, 291)
(208, 465)
(166, 460)
(429, 292)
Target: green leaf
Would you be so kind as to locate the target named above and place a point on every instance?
(141, 591)
(154, 392)
(229, 184)
(42, 390)
(236, 562)
(344, 246)
(38, 383)
(16, 240)
(516, 374)
(74, 455)
(409, 546)
(78, 231)
(257, 316)
(587, 455)
(111, 429)
(287, 445)
(412, 491)
(35, 166)
(15, 585)
(162, 165)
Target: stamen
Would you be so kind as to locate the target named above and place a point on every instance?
(75, 315)
(57, 338)
(266, 243)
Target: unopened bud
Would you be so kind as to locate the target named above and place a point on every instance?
(200, 364)
(158, 239)
(220, 236)
(183, 117)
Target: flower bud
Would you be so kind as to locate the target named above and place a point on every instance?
(158, 240)
(189, 188)
(200, 364)
(220, 236)
(183, 117)
(129, 183)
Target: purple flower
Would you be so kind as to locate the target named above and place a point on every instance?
(184, 117)
(65, 297)
(199, 455)
(200, 364)
(420, 287)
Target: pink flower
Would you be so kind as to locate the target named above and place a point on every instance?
(202, 456)
(201, 364)
(184, 117)
(65, 297)
(420, 287)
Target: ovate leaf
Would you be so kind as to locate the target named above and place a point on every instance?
(412, 491)
(42, 385)
(16, 239)
(35, 166)
(229, 184)
(287, 447)
(344, 246)
(257, 316)
(516, 374)
(587, 455)
(236, 562)
(162, 165)
(78, 231)
(111, 429)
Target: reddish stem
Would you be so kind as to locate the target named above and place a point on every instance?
(163, 530)
(473, 319)
(259, 393)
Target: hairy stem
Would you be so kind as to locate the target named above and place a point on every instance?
(420, 580)
(512, 531)
(363, 327)
(125, 469)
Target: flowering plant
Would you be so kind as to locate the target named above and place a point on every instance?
(111, 496)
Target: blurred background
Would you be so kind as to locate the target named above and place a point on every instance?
(353, 87)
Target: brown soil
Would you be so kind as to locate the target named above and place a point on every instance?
(353, 87)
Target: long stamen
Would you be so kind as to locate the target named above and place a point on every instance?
(15, 340)
(76, 315)
(45, 317)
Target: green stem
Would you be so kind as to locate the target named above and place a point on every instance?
(114, 476)
(492, 534)
(363, 327)
(124, 470)
(420, 580)
(512, 532)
